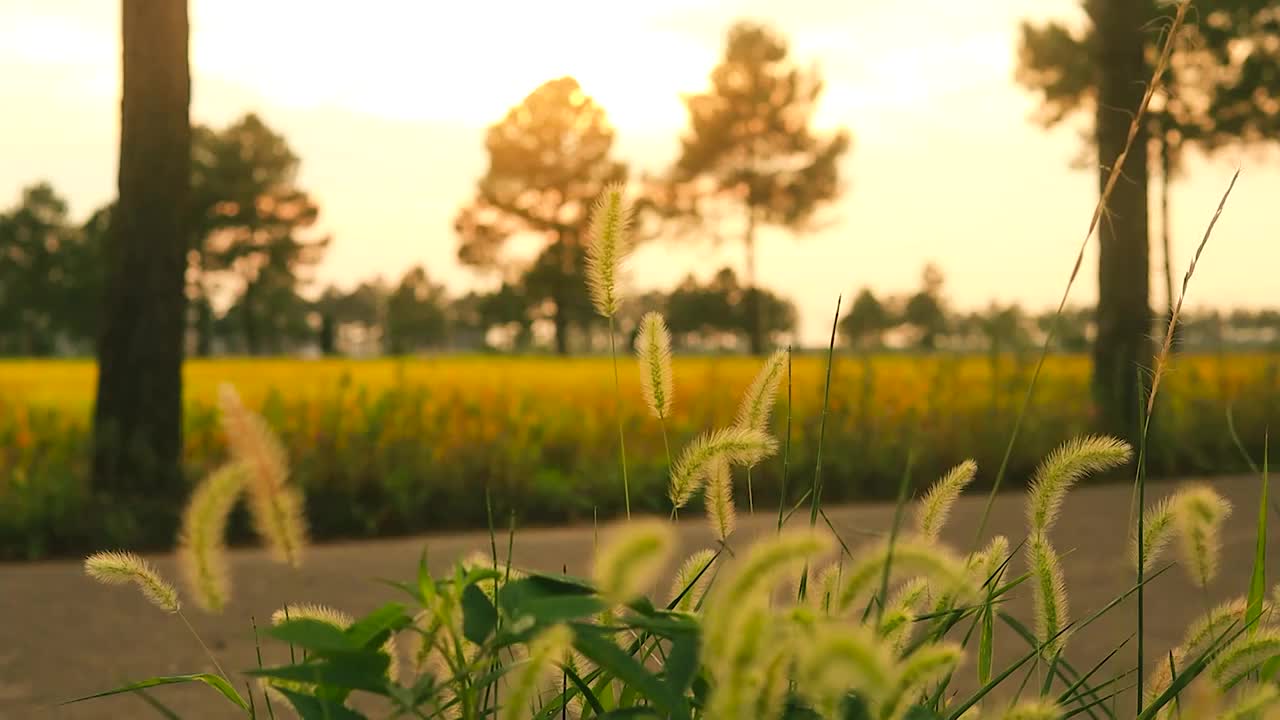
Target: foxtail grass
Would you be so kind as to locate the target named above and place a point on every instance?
(275, 505)
(935, 507)
(607, 247)
(735, 445)
(653, 353)
(119, 568)
(719, 500)
(631, 557)
(201, 542)
(692, 580)
(756, 408)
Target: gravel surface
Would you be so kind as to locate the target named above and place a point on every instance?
(63, 636)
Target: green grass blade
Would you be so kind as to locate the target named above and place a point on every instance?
(786, 449)
(985, 642)
(1258, 582)
(815, 499)
(214, 681)
(160, 708)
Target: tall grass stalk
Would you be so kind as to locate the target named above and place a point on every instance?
(815, 500)
(1161, 367)
(622, 440)
(786, 449)
(1161, 65)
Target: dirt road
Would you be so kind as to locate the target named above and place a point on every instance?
(62, 635)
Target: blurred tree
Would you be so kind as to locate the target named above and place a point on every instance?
(866, 322)
(1073, 328)
(549, 158)
(49, 277)
(137, 417)
(249, 217)
(924, 310)
(1222, 86)
(415, 314)
(750, 151)
(697, 314)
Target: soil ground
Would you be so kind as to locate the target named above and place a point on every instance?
(64, 636)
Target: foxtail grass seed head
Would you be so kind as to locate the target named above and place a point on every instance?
(985, 564)
(840, 658)
(757, 404)
(276, 507)
(1251, 702)
(1198, 514)
(720, 511)
(917, 671)
(736, 445)
(547, 649)
(1049, 591)
(608, 244)
(692, 580)
(118, 568)
(1157, 529)
(900, 612)
(1063, 468)
(1212, 624)
(911, 557)
(1243, 656)
(1042, 709)
(202, 551)
(631, 557)
(653, 351)
(821, 594)
(936, 505)
(748, 583)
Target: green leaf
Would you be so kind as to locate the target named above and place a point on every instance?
(601, 650)
(985, 646)
(631, 712)
(479, 617)
(682, 662)
(312, 635)
(361, 670)
(368, 632)
(310, 707)
(921, 713)
(214, 681)
(547, 600)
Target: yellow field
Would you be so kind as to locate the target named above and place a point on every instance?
(385, 446)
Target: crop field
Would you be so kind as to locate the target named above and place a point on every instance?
(386, 447)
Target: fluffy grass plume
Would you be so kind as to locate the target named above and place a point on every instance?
(748, 583)
(1251, 702)
(276, 507)
(738, 672)
(911, 557)
(1243, 656)
(1206, 628)
(1198, 514)
(757, 404)
(822, 592)
(900, 612)
(986, 563)
(736, 445)
(1065, 467)
(118, 568)
(697, 565)
(607, 246)
(631, 557)
(548, 648)
(915, 673)
(1157, 529)
(936, 505)
(653, 350)
(719, 499)
(1049, 591)
(840, 658)
(202, 551)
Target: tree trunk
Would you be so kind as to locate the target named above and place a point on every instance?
(138, 408)
(755, 330)
(1122, 346)
(1166, 234)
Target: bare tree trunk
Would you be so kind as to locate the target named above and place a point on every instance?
(138, 408)
(1123, 345)
(755, 329)
(1166, 233)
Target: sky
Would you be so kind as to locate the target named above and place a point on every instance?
(387, 102)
